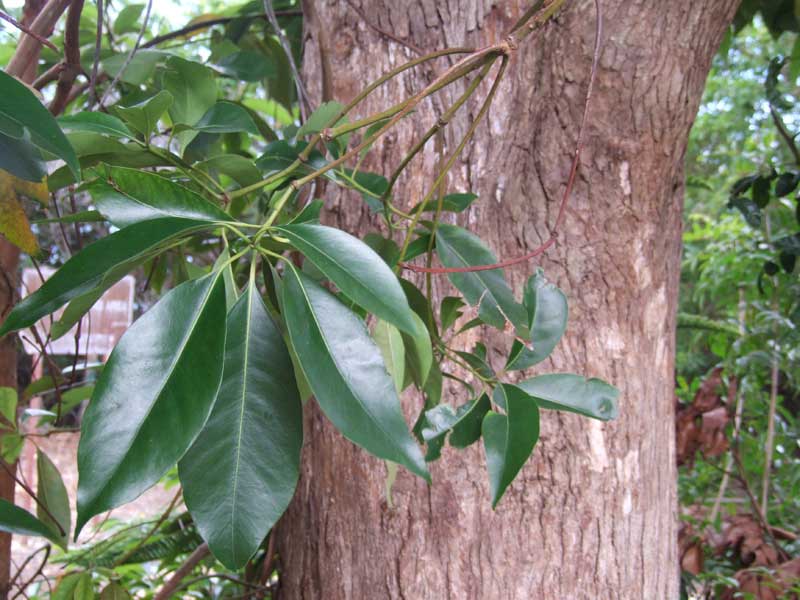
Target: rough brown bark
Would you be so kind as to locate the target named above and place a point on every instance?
(593, 514)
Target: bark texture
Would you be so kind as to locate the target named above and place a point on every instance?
(593, 513)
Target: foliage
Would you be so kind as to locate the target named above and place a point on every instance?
(200, 162)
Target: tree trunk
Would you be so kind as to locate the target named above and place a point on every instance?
(593, 513)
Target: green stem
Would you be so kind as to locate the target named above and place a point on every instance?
(453, 157)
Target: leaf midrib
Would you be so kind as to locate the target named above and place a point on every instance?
(339, 370)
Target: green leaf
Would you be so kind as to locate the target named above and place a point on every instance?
(83, 216)
(128, 18)
(450, 203)
(11, 446)
(749, 209)
(8, 405)
(240, 474)
(488, 290)
(140, 68)
(114, 591)
(21, 158)
(450, 311)
(419, 352)
(509, 439)
(14, 519)
(548, 312)
(356, 269)
(194, 88)
(97, 266)
(226, 117)
(129, 196)
(245, 66)
(153, 396)
(53, 496)
(345, 370)
(320, 118)
(463, 425)
(95, 122)
(573, 393)
(75, 586)
(144, 116)
(390, 342)
(21, 111)
(242, 170)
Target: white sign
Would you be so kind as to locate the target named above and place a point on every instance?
(101, 327)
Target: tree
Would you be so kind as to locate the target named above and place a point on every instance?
(593, 514)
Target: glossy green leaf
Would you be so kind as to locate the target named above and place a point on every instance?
(140, 68)
(356, 269)
(95, 122)
(346, 372)
(226, 117)
(242, 170)
(22, 159)
(245, 66)
(467, 429)
(153, 396)
(320, 118)
(130, 196)
(463, 424)
(194, 88)
(19, 521)
(128, 18)
(573, 393)
(53, 496)
(144, 116)
(240, 474)
(450, 311)
(488, 290)
(8, 405)
(83, 216)
(450, 203)
(114, 591)
(390, 342)
(98, 265)
(21, 111)
(419, 352)
(548, 312)
(75, 586)
(509, 439)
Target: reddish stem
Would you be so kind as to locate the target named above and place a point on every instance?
(562, 211)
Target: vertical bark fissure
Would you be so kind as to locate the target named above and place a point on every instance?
(593, 514)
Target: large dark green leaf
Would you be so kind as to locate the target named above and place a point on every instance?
(240, 474)
(356, 269)
(98, 265)
(320, 118)
(226, 117)
(194, 89)
(95, 122)
(464, 423)
(488, 290)
(130, 196)
(21, 111)
(345, 371)
(153, 396)
(14, 519)
(144, 116)
(22, 159)
(509, 439)
(574, 393)
(548, 312)
(53, 496)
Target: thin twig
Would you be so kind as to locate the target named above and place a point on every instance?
(98, 45)
(131, 54)
(33, 495)
(302, 95)
(174, 582)
(26, 30)
(567, 191)
(38, 572)
(159, 39)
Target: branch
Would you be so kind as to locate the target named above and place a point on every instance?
(191, 28)
(26, 30)
(175, 581)
(562, 211)
(132, 53)
(27, 51)
(72, 58)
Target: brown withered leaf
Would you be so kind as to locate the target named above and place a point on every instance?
(700, 426)
(14, 225)
(762, 584)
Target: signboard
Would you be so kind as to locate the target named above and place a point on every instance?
(101, 327)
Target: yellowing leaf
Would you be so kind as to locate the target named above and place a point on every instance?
(14, 225)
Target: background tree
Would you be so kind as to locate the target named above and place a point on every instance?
(593, 515)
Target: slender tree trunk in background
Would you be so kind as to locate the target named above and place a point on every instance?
(593, 514)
